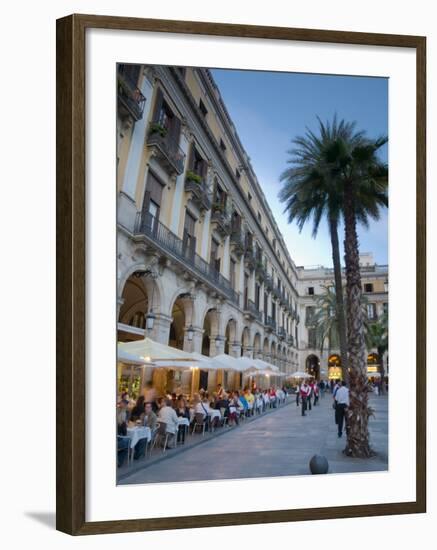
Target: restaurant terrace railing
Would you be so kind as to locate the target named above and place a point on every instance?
(158, 235)
(168, 149)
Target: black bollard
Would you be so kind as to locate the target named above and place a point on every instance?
(319, 465)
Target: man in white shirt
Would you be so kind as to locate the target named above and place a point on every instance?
(341, 403)
(168, 415)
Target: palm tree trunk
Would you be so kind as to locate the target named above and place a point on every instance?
(381, 369)
(358, 412)
(333, 229)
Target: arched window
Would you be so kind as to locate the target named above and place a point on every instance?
(138, 320)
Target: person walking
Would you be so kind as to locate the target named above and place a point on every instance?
(311, 387)
(305, 393)
(316, 393)
(297, 394)
(322, 389)
(341, 404)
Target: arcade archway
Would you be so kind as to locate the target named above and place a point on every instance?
(312, 366)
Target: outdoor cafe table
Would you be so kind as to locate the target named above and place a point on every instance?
(182, 421)
(138, 432)
(214, 414)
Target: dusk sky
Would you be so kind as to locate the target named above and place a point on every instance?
(270, 109)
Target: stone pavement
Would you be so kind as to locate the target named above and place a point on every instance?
(277, 444)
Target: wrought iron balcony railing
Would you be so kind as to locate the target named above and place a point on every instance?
(237, 241)
(251, 310)
(221, 219)
(260, 270)
(159, 236)
(200, 193)
(169, 152)
(268, 282)
(249, 259)
(270, 323)
(130, 99)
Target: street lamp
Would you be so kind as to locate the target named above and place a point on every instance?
(386, 286)
(190, 333)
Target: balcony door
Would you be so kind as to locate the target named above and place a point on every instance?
(167, 120)
(189, 237)
(151, 203)
(214, 259)
(246, 291)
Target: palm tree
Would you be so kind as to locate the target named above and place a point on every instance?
(377, 337)
(312, 191)
(338, 174)
(364, 181)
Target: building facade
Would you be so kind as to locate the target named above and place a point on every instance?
(201, 263)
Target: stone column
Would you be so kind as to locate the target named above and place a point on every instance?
(217, 348)
(240, 282)
(137, 143)
(179, 189)
(226, 257)
(234, 376)
(161, 328)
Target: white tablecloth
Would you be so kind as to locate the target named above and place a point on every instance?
(182, 421)
(138, 433)
(214, 414)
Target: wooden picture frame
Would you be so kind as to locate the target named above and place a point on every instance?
(71, 248)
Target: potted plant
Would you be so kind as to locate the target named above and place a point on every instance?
(218, 207)
(156, 128)
(192, 176)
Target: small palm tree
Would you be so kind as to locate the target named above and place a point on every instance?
(325, 320)
(377, 338)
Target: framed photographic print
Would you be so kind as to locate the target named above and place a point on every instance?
(241, 274)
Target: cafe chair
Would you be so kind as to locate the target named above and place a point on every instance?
(199, 421)
(161, 434)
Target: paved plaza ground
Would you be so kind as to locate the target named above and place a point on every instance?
(279, 443)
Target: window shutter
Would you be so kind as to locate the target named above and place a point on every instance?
(193, 245)
(204, 170)
(190, 161)
(158, 104)
(146, 202)
(175, 131)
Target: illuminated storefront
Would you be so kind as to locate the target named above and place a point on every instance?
(373, 366)
(334, 367)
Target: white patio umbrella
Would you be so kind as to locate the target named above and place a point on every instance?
(264, 365)
(227, 362)
(205, 362)
(129, 358)
(159, 355)
(248, 364)
(300, 374)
